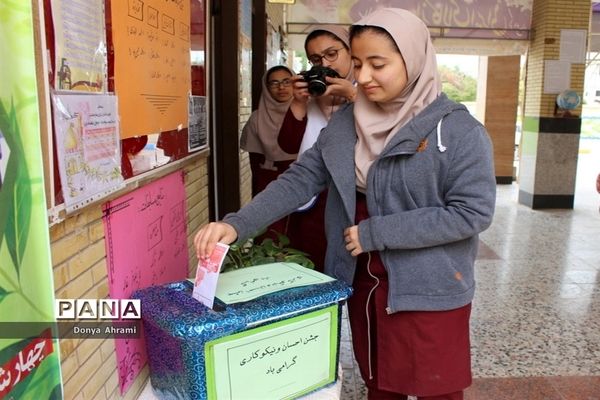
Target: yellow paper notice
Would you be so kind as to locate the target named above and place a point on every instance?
(152, 64)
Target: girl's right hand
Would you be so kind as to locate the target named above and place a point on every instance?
(208, 236)
(340, 87)
(300, 89)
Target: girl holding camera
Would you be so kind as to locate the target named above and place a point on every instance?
(328, 50)
(411, 184)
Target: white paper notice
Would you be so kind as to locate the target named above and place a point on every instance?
(251, 282)
(207, 275)
(573, 45)
(557, 76)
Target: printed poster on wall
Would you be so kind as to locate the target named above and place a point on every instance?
(29, 357)
(152, 64)
(88, 147)
(80, 45)
(245, 14)
(197, 138)
(146, 244)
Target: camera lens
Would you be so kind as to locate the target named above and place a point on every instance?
(316, 87)
(317, 79)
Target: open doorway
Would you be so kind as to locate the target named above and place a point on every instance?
(588, 162)
(459, 74)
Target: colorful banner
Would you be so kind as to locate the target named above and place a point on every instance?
(485, 19)
(152, 64)
(80, 44)
(146, 244)
(88, 147)
(29, 366)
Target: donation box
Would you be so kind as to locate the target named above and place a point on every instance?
(273, 334)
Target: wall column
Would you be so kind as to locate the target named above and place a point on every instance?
(498, 96)
(550, 142)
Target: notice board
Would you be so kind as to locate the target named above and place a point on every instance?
(146, 245)
(152, 64)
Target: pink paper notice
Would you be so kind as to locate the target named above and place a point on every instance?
(146, 244)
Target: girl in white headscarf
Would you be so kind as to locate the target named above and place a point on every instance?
(273, 133)
(411, 184)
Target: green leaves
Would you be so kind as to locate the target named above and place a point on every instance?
(25, 265)
(457, 85)
(268, 251)
(3, 293)
(15, 215)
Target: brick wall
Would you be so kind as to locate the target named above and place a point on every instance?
(548, 18)
(79, 264)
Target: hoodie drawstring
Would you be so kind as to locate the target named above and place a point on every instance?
(367, 313)
(440, 146)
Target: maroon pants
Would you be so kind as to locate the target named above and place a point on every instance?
(260, 179)
(375, 394)
(419, 353)
(306, 230)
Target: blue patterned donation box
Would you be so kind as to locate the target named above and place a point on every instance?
(273, 333)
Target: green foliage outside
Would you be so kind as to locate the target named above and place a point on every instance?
(457, 85)
(590, 127)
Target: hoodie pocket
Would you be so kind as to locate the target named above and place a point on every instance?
(430, 272)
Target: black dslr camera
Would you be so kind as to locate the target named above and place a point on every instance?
(317, 84)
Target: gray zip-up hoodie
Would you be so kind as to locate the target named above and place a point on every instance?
(429, 195)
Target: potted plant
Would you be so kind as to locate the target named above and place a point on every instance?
(267, 251)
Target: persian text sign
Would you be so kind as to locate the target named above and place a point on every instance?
(282, 360)
(249, 283)
(146, 244)
(88, 147)
(29, 369)
(26, 360)
(152, 64)
(80, 43)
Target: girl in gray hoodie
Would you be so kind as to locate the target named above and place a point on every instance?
(411, 184)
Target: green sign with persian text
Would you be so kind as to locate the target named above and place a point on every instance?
(282, 360)
(29, 365)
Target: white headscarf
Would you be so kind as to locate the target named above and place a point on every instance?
(330, 104)
(376, 123)
(260, 133)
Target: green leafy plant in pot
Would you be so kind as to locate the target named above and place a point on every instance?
(267, 251)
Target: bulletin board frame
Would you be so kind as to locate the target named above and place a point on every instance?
(183, 154)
